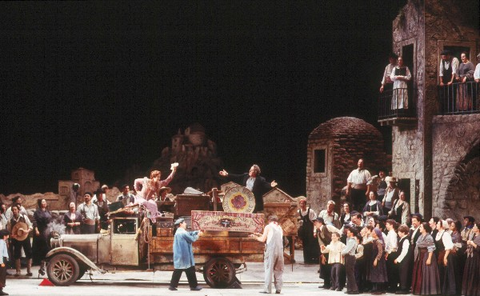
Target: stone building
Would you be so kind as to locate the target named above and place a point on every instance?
(82, 176)
(333, 150)
(436, 148)
(197, 157)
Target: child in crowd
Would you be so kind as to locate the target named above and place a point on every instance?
(402, 262)
(349, 254)
(335, 259)
(4, 234)
(360, 264)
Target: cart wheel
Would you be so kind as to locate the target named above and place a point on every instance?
(219, 273)
(63, 270)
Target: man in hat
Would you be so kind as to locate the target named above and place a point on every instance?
(358, 185)
(273, 260)
(476, 74)
(183, 256)
(165, 195)
(20, 227)
(387, 83)
(448, 68)
(101, 191)
(254, 182)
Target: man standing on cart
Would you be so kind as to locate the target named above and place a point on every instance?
(254, 182)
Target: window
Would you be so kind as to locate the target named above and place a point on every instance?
(319, 161)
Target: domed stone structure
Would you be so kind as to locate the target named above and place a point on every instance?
(334, 148)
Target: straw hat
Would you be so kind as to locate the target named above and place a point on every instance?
(18, 234)
(391, 179)
(168, 189)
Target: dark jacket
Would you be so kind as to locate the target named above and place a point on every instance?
(260, 187)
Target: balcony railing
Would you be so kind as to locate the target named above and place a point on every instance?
(459, 98)
(395, 104)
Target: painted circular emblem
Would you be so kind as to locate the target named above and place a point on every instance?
(238, 200)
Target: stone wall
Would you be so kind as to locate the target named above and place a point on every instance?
(456, 166)
(410, 143)
(345, 139)
(428, 25)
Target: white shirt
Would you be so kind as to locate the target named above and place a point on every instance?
(359, 176)
(250, 182)
(386, 74)
(405, 246)
(446, 239)
(476, 75)
(334, 250)
(311, 216)
(391, 243)
(455, 63)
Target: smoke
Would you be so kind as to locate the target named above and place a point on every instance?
(56, 227)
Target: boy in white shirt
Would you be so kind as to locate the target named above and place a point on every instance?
(335, 259)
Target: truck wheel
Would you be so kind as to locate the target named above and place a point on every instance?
(219, 273)
(63, 270)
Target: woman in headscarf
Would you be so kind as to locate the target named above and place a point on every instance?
(72, 220)
(391, 194)
(378, 270)
(426, 280)
(400, 211)
(41, 244)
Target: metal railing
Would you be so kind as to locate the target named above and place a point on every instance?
(459, 98)
(396, 103)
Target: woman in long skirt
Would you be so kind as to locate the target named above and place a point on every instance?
(378, 271)
(452, 280)
(41, 244)
(426, 280)
(471, 273)
(367, 243)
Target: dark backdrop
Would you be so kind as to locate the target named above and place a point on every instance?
(105, 85)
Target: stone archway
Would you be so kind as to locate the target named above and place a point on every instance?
(463, 192)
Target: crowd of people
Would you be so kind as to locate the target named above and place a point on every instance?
(381, 247)
(86, 214)
(456, 79)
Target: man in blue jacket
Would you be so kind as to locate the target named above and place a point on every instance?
(183, 256)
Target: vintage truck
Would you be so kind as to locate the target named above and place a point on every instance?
(218, 254)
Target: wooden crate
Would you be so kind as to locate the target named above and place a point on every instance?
(188, 202)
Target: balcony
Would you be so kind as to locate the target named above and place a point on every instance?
(459, 98)
(395, 109)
